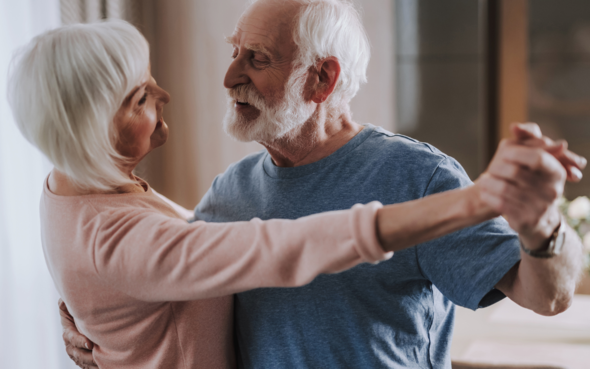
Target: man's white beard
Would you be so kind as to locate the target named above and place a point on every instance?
(276, 119)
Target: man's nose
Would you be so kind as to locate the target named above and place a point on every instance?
(236, 74)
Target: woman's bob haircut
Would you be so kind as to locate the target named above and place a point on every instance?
(65, 88)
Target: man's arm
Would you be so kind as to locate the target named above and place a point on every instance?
(524, 183)
(78, 347)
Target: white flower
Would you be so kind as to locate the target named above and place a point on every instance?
(587, 242)
(579, 208)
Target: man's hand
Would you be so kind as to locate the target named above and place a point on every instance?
(526, 178)
(524, 182)
(529, 134)
(78, 347)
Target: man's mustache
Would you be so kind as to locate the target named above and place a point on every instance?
(247, 93)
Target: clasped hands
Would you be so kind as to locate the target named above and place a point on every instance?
(526, 179)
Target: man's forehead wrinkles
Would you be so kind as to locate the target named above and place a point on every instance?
(260, 41)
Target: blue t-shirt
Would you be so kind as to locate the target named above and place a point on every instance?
(397, 314)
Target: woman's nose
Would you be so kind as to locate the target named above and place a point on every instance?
(163, 96)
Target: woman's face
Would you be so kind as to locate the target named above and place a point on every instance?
(139, 122)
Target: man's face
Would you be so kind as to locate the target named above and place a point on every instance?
(265, 93)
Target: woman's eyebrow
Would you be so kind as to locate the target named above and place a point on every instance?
(133, 92)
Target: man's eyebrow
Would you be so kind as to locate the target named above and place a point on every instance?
(259, 48)
(231, 39)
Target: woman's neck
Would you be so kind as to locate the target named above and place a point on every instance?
(61, 184)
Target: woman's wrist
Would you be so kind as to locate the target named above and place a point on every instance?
(474, 205)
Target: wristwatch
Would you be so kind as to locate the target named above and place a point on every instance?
(555, 244)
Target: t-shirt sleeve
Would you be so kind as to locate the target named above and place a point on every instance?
(467, 264)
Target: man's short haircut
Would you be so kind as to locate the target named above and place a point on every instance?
(326, 28)
(65, 88)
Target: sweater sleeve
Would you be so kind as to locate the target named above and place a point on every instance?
(152, 257)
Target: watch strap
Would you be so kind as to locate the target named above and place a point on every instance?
(556, 243)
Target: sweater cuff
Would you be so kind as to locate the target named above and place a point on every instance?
(364, 231)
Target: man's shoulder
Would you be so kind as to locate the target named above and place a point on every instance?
(402, 143)
(405, 151)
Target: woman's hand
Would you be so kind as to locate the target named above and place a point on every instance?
(529, 134)
(525, 180)
(78, 347)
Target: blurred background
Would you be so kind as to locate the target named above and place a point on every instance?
(454, 73)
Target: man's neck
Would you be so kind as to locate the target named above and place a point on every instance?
(318, 138)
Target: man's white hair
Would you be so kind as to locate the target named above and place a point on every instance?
(333, 28)
(65, 88)
(326, 28)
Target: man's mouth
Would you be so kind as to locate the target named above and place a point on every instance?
(241, 103)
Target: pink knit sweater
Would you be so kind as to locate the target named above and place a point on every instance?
(153, 291)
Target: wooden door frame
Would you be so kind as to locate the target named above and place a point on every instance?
(507, 68)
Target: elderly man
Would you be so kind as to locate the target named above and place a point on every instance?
(297, 64)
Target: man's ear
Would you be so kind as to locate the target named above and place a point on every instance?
(328, 72)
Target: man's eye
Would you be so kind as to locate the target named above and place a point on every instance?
(259, 59)
(235, 53)
(143, 99)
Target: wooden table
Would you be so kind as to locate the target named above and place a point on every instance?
(505, 333)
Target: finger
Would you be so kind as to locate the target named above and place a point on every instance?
(526, 130)
(508, 192)
(510, 210)
(66, 319)
(81, 357)
(535, 159)
(523, 178)
(521, 209)
(62, 306)
(569, 160)
(574, 159)
(74, 338)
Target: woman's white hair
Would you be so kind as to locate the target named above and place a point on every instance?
(65, 88)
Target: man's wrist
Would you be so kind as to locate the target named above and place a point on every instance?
(551, 247)
(539, 238)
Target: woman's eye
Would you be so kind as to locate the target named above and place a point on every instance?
(143, 99)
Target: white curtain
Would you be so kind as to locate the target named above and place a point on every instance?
(30, 333)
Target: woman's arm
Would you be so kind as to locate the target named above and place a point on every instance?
(409, 223)
(179, 261)
(152, 257)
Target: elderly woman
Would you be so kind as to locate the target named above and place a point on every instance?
(148, 288)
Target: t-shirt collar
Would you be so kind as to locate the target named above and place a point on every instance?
(287, 173)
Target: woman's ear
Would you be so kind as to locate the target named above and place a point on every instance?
(328, 72)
